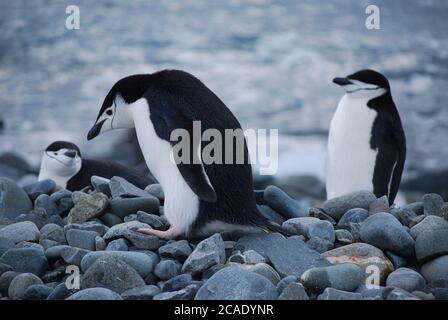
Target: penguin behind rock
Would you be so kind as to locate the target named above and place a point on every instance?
(62, 163)
(366, 144)
(199, 198)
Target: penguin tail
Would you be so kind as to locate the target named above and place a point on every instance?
(266, 223)
(274, 227)
(270, 226)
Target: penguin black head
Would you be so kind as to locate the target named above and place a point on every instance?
(115, 112)
(59, 146)
(61, 158)
(364, 84)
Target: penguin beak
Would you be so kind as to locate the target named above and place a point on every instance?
(342, 81)
(96, 129)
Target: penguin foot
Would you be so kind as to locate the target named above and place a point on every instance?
(169, 234)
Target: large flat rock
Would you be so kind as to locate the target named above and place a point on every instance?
(288, 256)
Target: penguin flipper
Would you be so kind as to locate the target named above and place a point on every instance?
(197, 179)
(166, 119)
(390, 160)
(400, 142)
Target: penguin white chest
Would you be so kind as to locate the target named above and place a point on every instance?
(351, 161)
(58, 169)
(60, 181)
(181, 203)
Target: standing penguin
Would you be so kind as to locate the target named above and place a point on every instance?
(63, 164)
(199, 198)
(366, 145)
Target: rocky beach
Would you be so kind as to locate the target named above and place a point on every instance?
(82, 245)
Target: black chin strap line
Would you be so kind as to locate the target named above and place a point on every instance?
(113, 117)
(351, 91)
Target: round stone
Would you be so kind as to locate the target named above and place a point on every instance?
(167, 269)
(364, 255)
(20, 231)
(234, 283)
(336, 207)
(20, 284)
(384, 231)
(436, 271)
(95, 294)
(346, 277)
(13, 201)
(431, 244)
(406, 279)
(112, 273)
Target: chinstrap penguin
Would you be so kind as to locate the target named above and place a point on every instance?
(366, 144)
(199, 198)
(62, 162)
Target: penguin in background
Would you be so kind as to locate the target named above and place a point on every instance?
(62, 163)
(200, 199)
(366, 144)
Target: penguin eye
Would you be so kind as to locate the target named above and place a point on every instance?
(109, 112)
(55, 153)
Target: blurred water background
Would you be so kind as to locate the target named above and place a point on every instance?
(270, 61)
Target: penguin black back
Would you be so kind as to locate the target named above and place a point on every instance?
(389, 138)
(106, 169)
